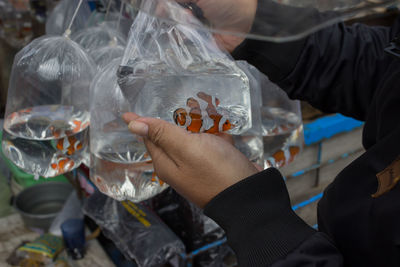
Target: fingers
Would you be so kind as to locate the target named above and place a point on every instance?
(164, 166)
(162, 134)
(130, 116)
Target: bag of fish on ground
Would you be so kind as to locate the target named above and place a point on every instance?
(168, 71)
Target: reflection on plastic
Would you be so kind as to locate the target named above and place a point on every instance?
(276, 20)
(151, 244)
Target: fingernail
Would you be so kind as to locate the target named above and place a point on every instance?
(139, 128)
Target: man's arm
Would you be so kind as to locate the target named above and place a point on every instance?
(336, 69)
(262, 228)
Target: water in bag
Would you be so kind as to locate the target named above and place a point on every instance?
(46, 127)
(250, 143)
(282, 126)
(120, 165)
(46, 140)
(179, 74)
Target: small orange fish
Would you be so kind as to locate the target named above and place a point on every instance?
(79, 126)
(155, 179)
(196, 119)
(27, 110)
(63, 164)
(69, 145)
(283, 157)
(56, 132)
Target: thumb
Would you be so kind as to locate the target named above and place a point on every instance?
(160, 133)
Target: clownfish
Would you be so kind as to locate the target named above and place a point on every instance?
(59, 128)
(62, 164)
(194, 120)
(69, 145)
(78, 126)
(155, 179)
(282, 157)
(20, 113)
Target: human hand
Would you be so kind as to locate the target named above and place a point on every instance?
(234, 16)
(198, 166)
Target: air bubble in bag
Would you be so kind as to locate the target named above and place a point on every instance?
(120, 165)
(47, 112)
(179, 74)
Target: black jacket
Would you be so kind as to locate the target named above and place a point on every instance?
(339, 69)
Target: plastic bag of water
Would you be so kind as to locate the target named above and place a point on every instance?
(47, 115)
(250, 142)
(179, 74)
(282, 125)
(120, 165)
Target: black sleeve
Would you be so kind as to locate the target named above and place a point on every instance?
(336, 69)
(262, 228)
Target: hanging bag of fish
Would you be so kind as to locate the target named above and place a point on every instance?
(120, 165)
(179, 74)
(47, 111)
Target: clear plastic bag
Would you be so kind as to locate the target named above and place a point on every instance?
(250, 143)
(135, 230)
(97, 37)
(196, 230)
(111, 21)
(120, 165)
(276, 20)
(282, 125)
(47, 112)
(179, 74)
(104, 55)
(61, 15)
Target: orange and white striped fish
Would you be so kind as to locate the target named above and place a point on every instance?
(78, 126)
(69, 145)
(193, 120)
(282, 157)
(155, 179)
(62, 164)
